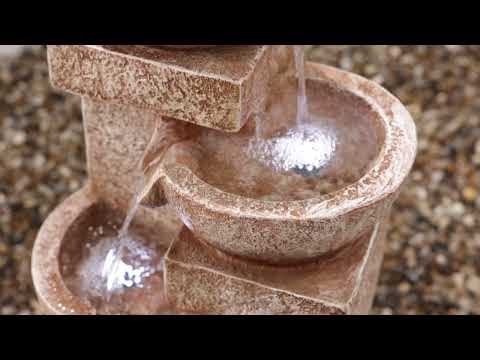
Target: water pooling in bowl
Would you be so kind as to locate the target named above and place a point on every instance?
(122, 272)
(321, 147)
(307, 147)
(136, 286)
(303, 149)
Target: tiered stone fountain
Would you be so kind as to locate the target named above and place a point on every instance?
(225, 252)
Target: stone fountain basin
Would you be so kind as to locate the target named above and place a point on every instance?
(61, 243)
(294, 232)
(53, 295)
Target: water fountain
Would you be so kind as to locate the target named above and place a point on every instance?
(249, 210)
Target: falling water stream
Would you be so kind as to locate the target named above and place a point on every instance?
(116, 269)
(122, 267)
(302, 103)
(308, 146)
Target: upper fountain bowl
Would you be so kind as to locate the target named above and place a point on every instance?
(373, 160)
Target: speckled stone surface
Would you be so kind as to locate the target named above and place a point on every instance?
(60, 245)
(204, 280)
(216, 87)
(53, 295)
(116, 137)
(125, 91)
(431, 264)
(291, 232)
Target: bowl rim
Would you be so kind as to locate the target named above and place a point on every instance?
(47, 278)
(392, 164)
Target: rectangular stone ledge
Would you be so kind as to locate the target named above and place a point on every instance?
(216, 88)
(199, 279)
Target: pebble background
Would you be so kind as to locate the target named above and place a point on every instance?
(432, 262)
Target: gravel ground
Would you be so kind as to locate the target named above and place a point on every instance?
(431, 264)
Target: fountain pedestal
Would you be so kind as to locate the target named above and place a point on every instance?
(337, 240)
(204, 280)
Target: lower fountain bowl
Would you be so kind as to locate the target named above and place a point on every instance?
(294, 232)
(54, 296)
(63, 242)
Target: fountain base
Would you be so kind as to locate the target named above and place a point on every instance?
(343, 283)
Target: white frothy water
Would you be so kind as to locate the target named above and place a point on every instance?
(105, 272)
(116, 270)
(306, 148)
(126, 265)
(120, 274)
(123, 262)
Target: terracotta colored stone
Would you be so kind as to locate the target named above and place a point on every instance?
(203, 280)
(53, 294)
(216, 87)
(335, 242)
(116, 137)
(61, 242)
(289, 232)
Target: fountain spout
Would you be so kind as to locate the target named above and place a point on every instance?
(167, 134)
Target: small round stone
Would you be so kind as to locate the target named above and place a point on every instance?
(470, 194)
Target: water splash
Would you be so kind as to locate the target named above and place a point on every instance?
(124, 265)
(121, 271)
(305, 149)
(125, 262)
